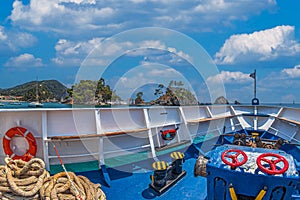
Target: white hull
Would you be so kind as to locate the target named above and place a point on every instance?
(96, 135)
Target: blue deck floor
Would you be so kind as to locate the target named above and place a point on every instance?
(132, 181)
(135, 185)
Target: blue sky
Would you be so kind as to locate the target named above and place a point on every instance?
(53, 39)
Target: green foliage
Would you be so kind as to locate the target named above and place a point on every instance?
(159, 90)
(40, 94)
(175, 94)
(84, 92)
(70, 92)
(92, 92)
(47, 90)
(139, 98)
(103, 92)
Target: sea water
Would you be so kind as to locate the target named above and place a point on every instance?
(15, 105)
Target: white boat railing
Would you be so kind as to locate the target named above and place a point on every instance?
(107, 132)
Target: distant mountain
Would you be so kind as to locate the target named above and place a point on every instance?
(47, 89)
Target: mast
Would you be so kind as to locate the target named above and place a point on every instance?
(37, 90)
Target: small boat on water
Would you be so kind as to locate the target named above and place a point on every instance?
(237, 152)
(35, 104)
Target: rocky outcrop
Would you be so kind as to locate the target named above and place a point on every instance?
(166, 100)
(221, 100)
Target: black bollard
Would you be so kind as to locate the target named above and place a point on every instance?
(177, 162)
(160, 174)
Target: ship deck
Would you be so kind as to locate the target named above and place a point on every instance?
(126, 141)
(135, 185)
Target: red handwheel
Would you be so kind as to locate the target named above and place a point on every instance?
(233, 154)
(272, 163)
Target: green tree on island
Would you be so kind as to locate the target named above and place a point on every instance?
(158, 92)
(175, 94)
(92, 92)
(84, 92)
(139, 98)
(103, 92)
(38, 93)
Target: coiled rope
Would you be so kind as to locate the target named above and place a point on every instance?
(22, 180)
(60, 187)
(30, 180)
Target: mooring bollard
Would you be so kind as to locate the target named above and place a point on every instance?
(177, 158)
(159, 177)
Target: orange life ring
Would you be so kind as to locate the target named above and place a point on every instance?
(31, 152)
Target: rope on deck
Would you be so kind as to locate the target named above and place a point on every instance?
(30, 180)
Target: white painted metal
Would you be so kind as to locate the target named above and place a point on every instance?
(255, 118)
(87, 134)
(185, 124)
(44, 140)
(100, 143)
(150, 136)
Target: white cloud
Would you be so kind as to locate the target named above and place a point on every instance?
(148, 73)
(74, 52)
(277, 86)
(236, 8)
(3, 35)
(180, 54)
(20, 40)
(62, 17)
(109, 17)
(292, 72)
(137, 1)
(13, 40)
(67, 47)
(213, 6)
(262, 45)
(80, 1)
(24, 60)
(161, 72)
(227, 77)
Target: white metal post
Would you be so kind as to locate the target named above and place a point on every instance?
(150, 136)
(45, 140)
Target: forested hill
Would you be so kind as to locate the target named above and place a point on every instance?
(47, 89)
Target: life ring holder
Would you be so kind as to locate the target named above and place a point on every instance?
(31, 152)
(169, 134)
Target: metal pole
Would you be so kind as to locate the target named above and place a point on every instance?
(255, 83)
(255, 108)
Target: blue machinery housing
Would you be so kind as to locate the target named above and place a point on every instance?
(245, 181)
(248, 181)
